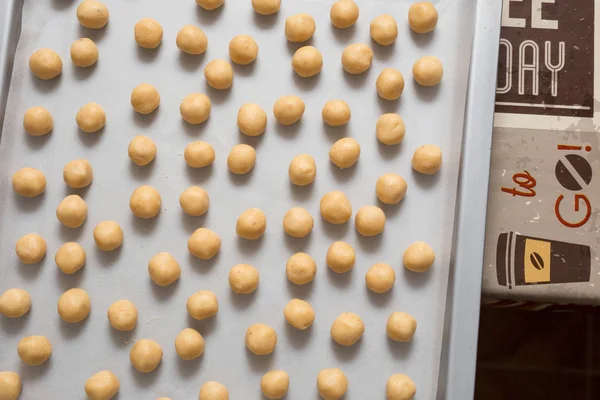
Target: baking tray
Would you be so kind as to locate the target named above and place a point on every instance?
(447, 210)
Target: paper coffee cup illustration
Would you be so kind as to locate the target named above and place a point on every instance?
(525, 260)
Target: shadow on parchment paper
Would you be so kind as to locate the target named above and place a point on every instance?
(192, 223)
(144, 120)
(191, 62)
(205, 326)
(341, 281)
(369, 244)
(34, 372)
(297, 338)
(390, 210)
(120, 339)
(194, 129)
(379, 299)
(67, 234)
(346, 354)
(288, 131)
(67, 282)
(416, 279)
(335, 133)
(147, 55)
(14, 326)
(46, 85)
(421, 40)
(95, 34)
(144, 226)
(388, 106)
(90, 139)
(302, 193)
(37, 142)
(108, 258)
(199, 175)
(336, 232)
(246, 246)
(382, 53)
(163, 293)
(356, 81)
(70, 330)
(252, 141)
(142, 380)
(203, 266)
(292, 47)
(217, 96)
(245, 70)
(343, 174)
(144, 173)
(305, 84)
(399, 350)
(242, 301)
(59, 5)
(30, 272)
(259, 363)
(389, 152)
(28, 204)
(345, 35)
(81, 74)
(295, 245)
(188, 368)
(300, 291)
(427, 93)
(425, 181)
(264, 22)
(209, 17)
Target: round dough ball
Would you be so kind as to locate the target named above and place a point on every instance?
(70, 257)
(427, 159)
(369, 221)
(164, 269)
(213, 390)
(210, 5)
(400, 387)
(252, 119)
(191, 40)
(343, 13)
(266, 7)
(390, 84)
(243, 278)
(15, 303)
(84, 53)
(345, 152)
(422, 17)
(297, 222)
(145, 355)
(307, 61)
(74, 305)
(384, 30)
(219, 74)
(148, 33)
(141, 150)
(336, 112)
(45, 64)
(401, 327)
(390, 188)
(103, 385)
(145, 98)
(10, 382)
(340, 257)
(31, 248)
(38, 121)
(251, 224)
(199, 154)
(202, 305)
(122, 315)
(204, 244)
(72, 211)
(380, 278)
(299, 314)
(261, 339)
(195, 108)
(274, 384)
(288, 109)
(347, 329)
(418, 257)
(390, 129)
(34, 350)
(357, 58)
(299, 28)
(91, 117)
(243, 49)
(145, 202)
(189, 344)
(332, 384)
(335, 208)
(29, 182)
(428, 71)
(78, 173)
(302, 170)
(301, 269)
(108, 235)
(194, 201)
(241, 159)
(92, 14)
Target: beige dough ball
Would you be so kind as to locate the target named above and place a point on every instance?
(213, 390)
(336, 112)
(145, 202)
(74, 305)
(390, 129)
(369, 221)
(345, 152)
(145, 355)
(243, 49)
(148, 33)
(70, 258)
(84, 53)
(302, 170)
(332, 384)
(418, 257)
(141, 150)
(91, 118)
(10, 382)
(194, 201)
(29, 182)
(219, 74)
(357, 58)
(103, 385)
(261, 339)
(301, 269)
(189, 344)
(38, 121)
(191, 40)
(390, 84)
(307, 61)
(297, 222)
(428, 71)
(92, 14)
(164, 269)
(380, 278)
(299, 314)
(401, 327)
(241, 159)
(347, 329)
(210, 5)
(299, 28)
(108, 235)
(427, 159)
(78, 174)
(202, 305)
(335, 208)
(243, 278)
(422, 17)
(400, 387)
(31, 248)
(204, 244)
(195, 108)
(343, 13)
(34, 350)
(340, 257)
(72, 211)
(252, 119)
(288, 109)
(45, 64)
(145, 98)
(390, 188)
(384, 30)
(199, 154)
(274, 384)
(122, 315)
(266, 7)
(15, 303)
(251, 224)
